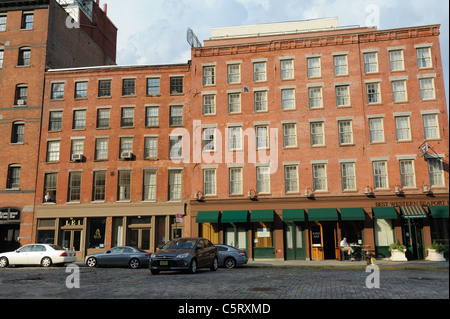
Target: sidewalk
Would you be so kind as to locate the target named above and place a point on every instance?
(335, 264)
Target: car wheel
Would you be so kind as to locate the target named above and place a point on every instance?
(230, 263)
(91, 262)
(46, 262)
(4, 262)
(134, 263)
(214, 265)
(193, 266)
(154, 271)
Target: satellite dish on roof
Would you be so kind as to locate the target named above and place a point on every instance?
(192, 39)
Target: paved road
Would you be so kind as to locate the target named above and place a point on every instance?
(235, 284)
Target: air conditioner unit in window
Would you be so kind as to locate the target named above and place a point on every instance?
(77, 157)
(126, 155)
(21, 102)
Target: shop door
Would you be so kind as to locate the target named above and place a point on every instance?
(71, 239)
(295, 238)
(140, 238)
(323, 240)
(413, 238)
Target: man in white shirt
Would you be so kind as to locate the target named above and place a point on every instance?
(346, 247)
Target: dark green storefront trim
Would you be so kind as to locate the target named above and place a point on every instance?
(262, 216)
(439, 211)
(322, 214)
(293, 215)
(235, 216)
(384, 212)
(208, 217)
(352, 214)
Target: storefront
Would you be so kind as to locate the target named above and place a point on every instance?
(9, 229)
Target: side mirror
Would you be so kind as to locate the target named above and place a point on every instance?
(108, 251)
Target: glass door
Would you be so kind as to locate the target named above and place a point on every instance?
(294, 236)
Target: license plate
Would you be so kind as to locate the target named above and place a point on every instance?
(164, 263)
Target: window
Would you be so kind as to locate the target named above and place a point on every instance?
(57, 91)
(24, 57)
(343, 95)
(1, 57)
(103, 116)
(320, 177)
(2, 22)
(315, 97)
(431, 126)
(314, 69)
(176, 116)
(399, 91)
(402, 128)
(345, 132)
(127, 119)
(50, 187)
(99, 186)
(380, 175)
(74, 187)
(436, 172)
(234, 103)
(104, 88)
(126, 145)
(209, 104)
(263, 180)
(340, 65)
(176, 85)
(259, 71)
(152, 86)
(396, 60)
(234, 138)
(291, 179)
(287, 69)
(209, 182)
(236, 187)
(371, 62)
(176, 146)
(288, 99)
(290, 135)
(124, 186)
(407, 174)
(129, 87)
(376, 130)
(18, 131)
(348, 176)
(152, 116)
(79, 120)
(427, 89)
(81, 90)
(53, 148)
(149, 185)
(424, 58)
(13, 177)
(209, 75)
(175, 181)
(260, 101)
(317, 134)
(262, 136)
(77, 147)
(373, 93)
(101, 149)
(55, 121)
(21, 95)
(234, 73)
(27, 21)
(151, 147)
(209, 139)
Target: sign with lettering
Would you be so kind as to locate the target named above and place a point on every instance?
(412, 203)
(10, 214)
(73, 222)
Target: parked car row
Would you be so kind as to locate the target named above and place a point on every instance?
(187, 254)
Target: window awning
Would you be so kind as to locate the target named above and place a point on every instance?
(352, 214)
(384, 212)
(293, 215)
(262, 215)
(439, 211)
(208, 217)
(323, 214)
(234, 216)
(413, 212)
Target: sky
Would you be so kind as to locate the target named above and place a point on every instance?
(154, 31)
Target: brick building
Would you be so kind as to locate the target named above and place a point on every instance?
(341, 113)
(34, 36)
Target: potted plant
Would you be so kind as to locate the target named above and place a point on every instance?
(436, 252)
(397, 252)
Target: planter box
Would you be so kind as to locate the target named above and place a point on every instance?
(435, 256)
(397, 255)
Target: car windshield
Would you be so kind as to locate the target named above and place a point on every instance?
(180, 243)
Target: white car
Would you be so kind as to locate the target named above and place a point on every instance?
(37, 254)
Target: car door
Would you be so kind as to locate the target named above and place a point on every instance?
(111, 257)
(20, 257)
(201, 253)
(36, 254)
(210, 252)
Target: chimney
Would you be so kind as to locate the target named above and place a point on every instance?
(105, 8)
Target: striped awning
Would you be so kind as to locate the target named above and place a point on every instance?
(413, 212)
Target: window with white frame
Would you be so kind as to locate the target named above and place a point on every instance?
(1, 57)
(260, 101)
(50, 186)
(209, 135)
(436, 172)
(24, 57)
(234, 102)
(175, 184)
(424, 58)
(57, 91)
(320, 177)
(315, 97)
(153, 86)
(348, 176)
(380, 175)
(427, 89)
(176, 146)
(376, 128)
(402, 128)
(53, 148)
(209, 182)
(234, 138)
(345, 132)
(124, 186)
(81, 89)
(126, 146)
(340, 65)
(407, 173)
(151, 147)
(13, 181)
(291, 178)
(236, 186)
(152, 116)
(234, 73)
(373, 93)
(263, 179)
(396, 60)
(103, 118)
(259, 71)
(343, 95)
(209, 77)
(317, 133)
(79, 119)
(262, 136)
(288, 99)
(176, 116)
(287, 69)
(18, 132)
(149, 185)
(74, 192)
(431, 126)
(99, 186)
(2, 22)
(77, 147)
(209, 104)
(101, 149)
(127, 117)
(371, 62)
(290, 135)
(21, 95)
(399, 92)
(27, 20)
(314, 68)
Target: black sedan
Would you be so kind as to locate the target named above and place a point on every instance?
(185, 254)
(121, 256)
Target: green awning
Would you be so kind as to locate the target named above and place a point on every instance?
(439, 211)
(384, 212)
(208, 217)
(352, 214)
(322, 214)
(413, 212)
(234, 216)
(262, 215)
(293, 215)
